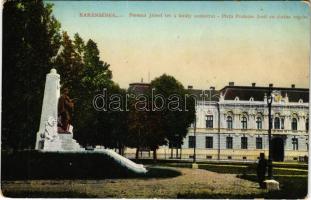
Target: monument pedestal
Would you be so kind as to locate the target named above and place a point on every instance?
(272, 185)
(68, 143)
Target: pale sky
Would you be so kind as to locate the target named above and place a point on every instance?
(202, 52)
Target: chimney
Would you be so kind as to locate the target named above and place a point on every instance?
(253, 84)
(293, 85)
(231, 83)
(190, 87)
(270, 84)
(212, 88)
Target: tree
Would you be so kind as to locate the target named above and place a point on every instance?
(78, 45)
(97, 127)
(175, 122)
(97, 72)
(69, 63)
(145, 130)
(85, 74)
(30, 41)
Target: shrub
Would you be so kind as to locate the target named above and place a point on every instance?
(56, 165)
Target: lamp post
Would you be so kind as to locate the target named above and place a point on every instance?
(195, 139)
(218, 125)
(269, 101)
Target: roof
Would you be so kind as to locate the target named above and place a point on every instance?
(138, 88)
(258, 93)
(209, 95)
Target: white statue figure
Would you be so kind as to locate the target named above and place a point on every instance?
(50, 132)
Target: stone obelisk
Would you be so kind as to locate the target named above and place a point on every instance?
(47, 136)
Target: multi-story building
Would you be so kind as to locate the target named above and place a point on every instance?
(232, 123)
(235, 126)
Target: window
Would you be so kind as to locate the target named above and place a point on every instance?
(244, 142)
(307, 124)
(258, 143)
(191, 141)
(244, 122)
(282, 123)
(209, 121)
(295, 143)
(229, 142)
(294, 124)
(209, 142)
(259, 122)
(277, 123)
(229, 122)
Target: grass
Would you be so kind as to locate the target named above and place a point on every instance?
(55, 168)
(191, 180)
(249, 168)
(293, 179)
(209, 195)
(46, 194)
(160, 172)
(291, 187)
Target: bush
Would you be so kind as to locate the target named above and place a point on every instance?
(56, 165)
(25, 165)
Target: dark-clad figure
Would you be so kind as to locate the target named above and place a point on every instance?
(261, 170)
(65, 108)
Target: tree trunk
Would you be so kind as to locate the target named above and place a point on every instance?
(121, 150)
(154, 155)
(176, 152)
(180, 152)
(171, 152)
(137, 153)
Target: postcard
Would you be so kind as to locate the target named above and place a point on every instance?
(155, 99)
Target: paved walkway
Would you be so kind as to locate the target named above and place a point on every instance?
(191, 181)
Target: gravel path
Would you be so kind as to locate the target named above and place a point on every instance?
(191, 181)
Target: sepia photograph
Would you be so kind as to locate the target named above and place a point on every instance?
(155, 99)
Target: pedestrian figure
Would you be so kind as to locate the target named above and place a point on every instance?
(261, 170)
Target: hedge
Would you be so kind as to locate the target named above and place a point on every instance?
(56, 165)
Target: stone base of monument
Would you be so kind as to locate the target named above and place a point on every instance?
(68, 143)
(130, 165)
(195, 166)
(272, 185)
(52, 145)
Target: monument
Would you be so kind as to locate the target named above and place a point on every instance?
(55, 132)
(50, 136)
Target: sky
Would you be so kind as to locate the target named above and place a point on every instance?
(197, 51)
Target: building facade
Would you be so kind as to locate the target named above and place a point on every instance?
(232, 124)
(236, 126)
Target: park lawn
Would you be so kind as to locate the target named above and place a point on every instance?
(166, 179)
(191, 180)
(291, 186)
(293, 179)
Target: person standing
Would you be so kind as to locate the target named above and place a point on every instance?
(261, 170)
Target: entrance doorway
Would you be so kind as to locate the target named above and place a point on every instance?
(277, 149)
